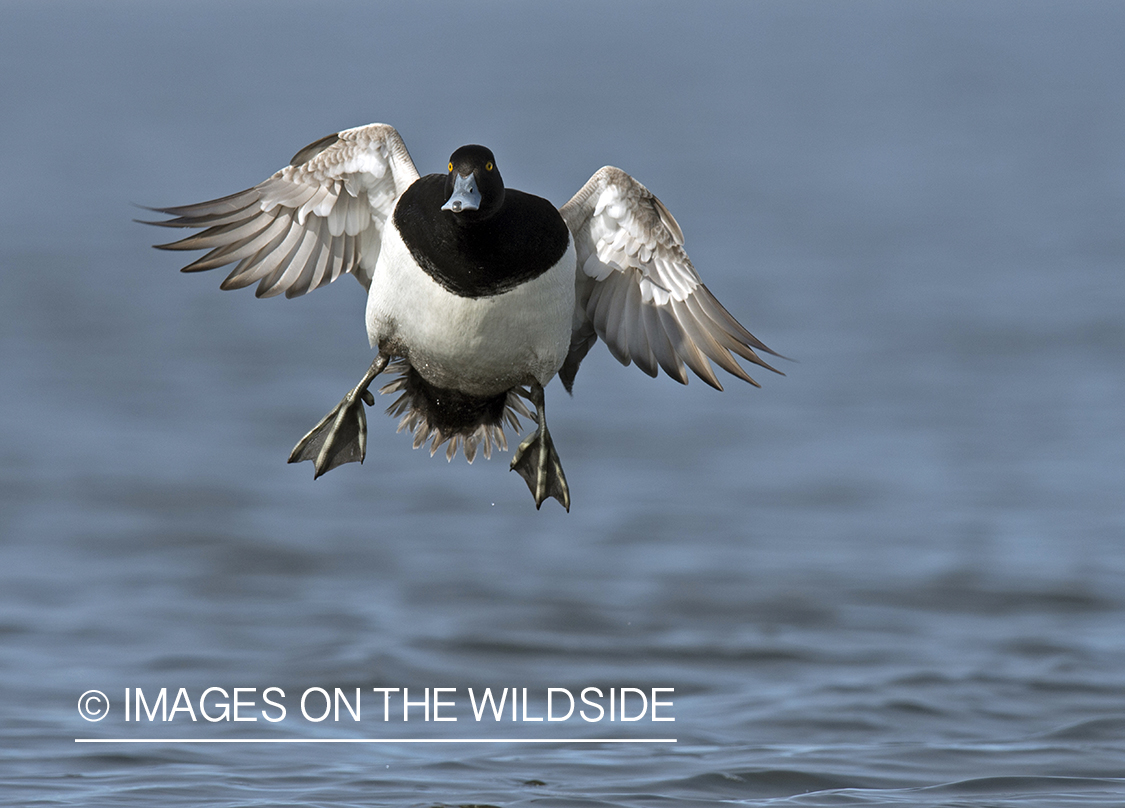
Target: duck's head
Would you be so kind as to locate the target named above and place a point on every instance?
(473, 184)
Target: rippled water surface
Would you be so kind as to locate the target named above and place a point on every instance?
(894, 577)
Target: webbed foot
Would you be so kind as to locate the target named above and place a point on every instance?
(341, 436)
(537, 461)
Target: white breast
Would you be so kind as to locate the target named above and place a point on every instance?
(479, 345)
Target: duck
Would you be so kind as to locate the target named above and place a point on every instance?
(478, 295)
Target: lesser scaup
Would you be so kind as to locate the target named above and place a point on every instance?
(478, 295)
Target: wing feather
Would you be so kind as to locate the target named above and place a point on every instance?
(261, 263)
(662, 346)
(271, 226)
(315, 270)
(318, 218)
(638, 291)
(300, 265)
(272, 265)
(636, 336)
(216, 212)
(689, 345)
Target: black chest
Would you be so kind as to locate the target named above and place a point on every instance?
(520, 242)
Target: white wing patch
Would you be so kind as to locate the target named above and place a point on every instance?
(316, 219)
(638, 291)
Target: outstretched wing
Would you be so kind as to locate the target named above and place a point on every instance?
(638, 291)
(316, 219)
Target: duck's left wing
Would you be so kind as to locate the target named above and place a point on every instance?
(320, 217)
(638, 291)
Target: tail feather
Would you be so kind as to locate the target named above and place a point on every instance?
(439, 415)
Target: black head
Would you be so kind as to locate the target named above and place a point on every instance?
(473, 185)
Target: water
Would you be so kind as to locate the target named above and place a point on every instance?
(894, 577)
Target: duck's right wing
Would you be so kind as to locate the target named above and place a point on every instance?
(318, 218)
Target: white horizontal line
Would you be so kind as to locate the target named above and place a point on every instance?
(375, 740)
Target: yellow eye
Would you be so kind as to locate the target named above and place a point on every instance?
(488, 166)
(450, 167)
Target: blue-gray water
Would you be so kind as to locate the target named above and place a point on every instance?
(896, 576)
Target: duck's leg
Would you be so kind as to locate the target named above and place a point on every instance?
(341, 436)
(537, 461)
